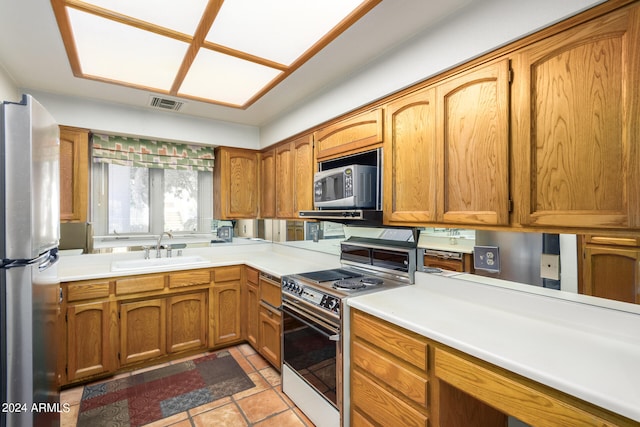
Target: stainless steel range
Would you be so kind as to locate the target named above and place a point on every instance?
(315, 321)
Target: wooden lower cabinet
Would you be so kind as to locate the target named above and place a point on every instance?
(143, 326)
(226, 312)
(89, 346)
(225, 326)
(402, 378)
(251, 307)
(187, 322)
(125, 322)
(389, 382)
(269, 321)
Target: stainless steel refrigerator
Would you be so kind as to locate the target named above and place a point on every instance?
(30, 232)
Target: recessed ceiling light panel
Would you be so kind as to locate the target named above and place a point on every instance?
(114, 51)
(225, 78)
(160, 45)
(278, 30)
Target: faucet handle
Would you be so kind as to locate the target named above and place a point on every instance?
(146, 251)
(168, 251)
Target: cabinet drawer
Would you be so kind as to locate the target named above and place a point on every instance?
(391, 372)
(445, 264)
(137, 284)
(403, 344)
(78, 291)
(189, 278)
(382, 406)
(252, 275)
(270, 292)
(226, 274)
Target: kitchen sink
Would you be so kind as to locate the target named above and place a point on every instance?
(151, 263)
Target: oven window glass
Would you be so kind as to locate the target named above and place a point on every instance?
(390, 260)
(356, 254)
(308, 351)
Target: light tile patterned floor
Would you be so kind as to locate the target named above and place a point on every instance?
(262, 406)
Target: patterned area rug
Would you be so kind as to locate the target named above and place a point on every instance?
(153, 395)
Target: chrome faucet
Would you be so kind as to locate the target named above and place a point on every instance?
(158, 253)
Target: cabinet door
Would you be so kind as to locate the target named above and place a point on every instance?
(74, 174)
(187, 322)
(410, 159)
(303, 170)
(252, 307)
(142, 330)
(612, 273)
(577, 119)
(473, 134)
(226, 312)
(284, 181)
(268, 183)
(269, 336)
(235, 183)
(353, 135)
(89, 350)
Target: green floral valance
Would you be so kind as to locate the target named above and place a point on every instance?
(146, 153)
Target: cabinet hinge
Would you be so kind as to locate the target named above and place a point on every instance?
(510, 75)
(118, 355)
(510, 205)
(66, 318)
(66, 369)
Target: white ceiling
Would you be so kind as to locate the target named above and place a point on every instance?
(33, 55)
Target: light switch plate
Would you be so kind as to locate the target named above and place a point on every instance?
(486, 258)
(550, 266)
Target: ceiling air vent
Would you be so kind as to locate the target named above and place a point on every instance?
(165, 103)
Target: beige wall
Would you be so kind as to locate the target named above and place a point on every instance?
(8, 89)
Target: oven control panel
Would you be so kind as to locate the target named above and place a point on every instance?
(311, 295)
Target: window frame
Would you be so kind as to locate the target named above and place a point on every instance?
(100, 202)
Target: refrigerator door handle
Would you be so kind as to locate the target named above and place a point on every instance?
(49, 258)
(43, 261)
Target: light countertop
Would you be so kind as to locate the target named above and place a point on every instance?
(272, 258)
(589, 351)
(584, 350)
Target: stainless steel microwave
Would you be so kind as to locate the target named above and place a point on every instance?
(346, 187)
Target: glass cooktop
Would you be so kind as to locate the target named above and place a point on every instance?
(330, 275)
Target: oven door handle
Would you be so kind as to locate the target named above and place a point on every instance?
(308, 320)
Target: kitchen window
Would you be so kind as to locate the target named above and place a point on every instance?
(143, 187)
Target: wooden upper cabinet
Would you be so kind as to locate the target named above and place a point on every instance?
(268, 184)
(410, 159)
(358, 133)
(236, 183)
(294, 177)
(284, 181)
(74, 174)
(303, 170)
(472, 112)
(577, 115)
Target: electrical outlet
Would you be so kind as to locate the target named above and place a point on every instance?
(550, 266)
(486, 258)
